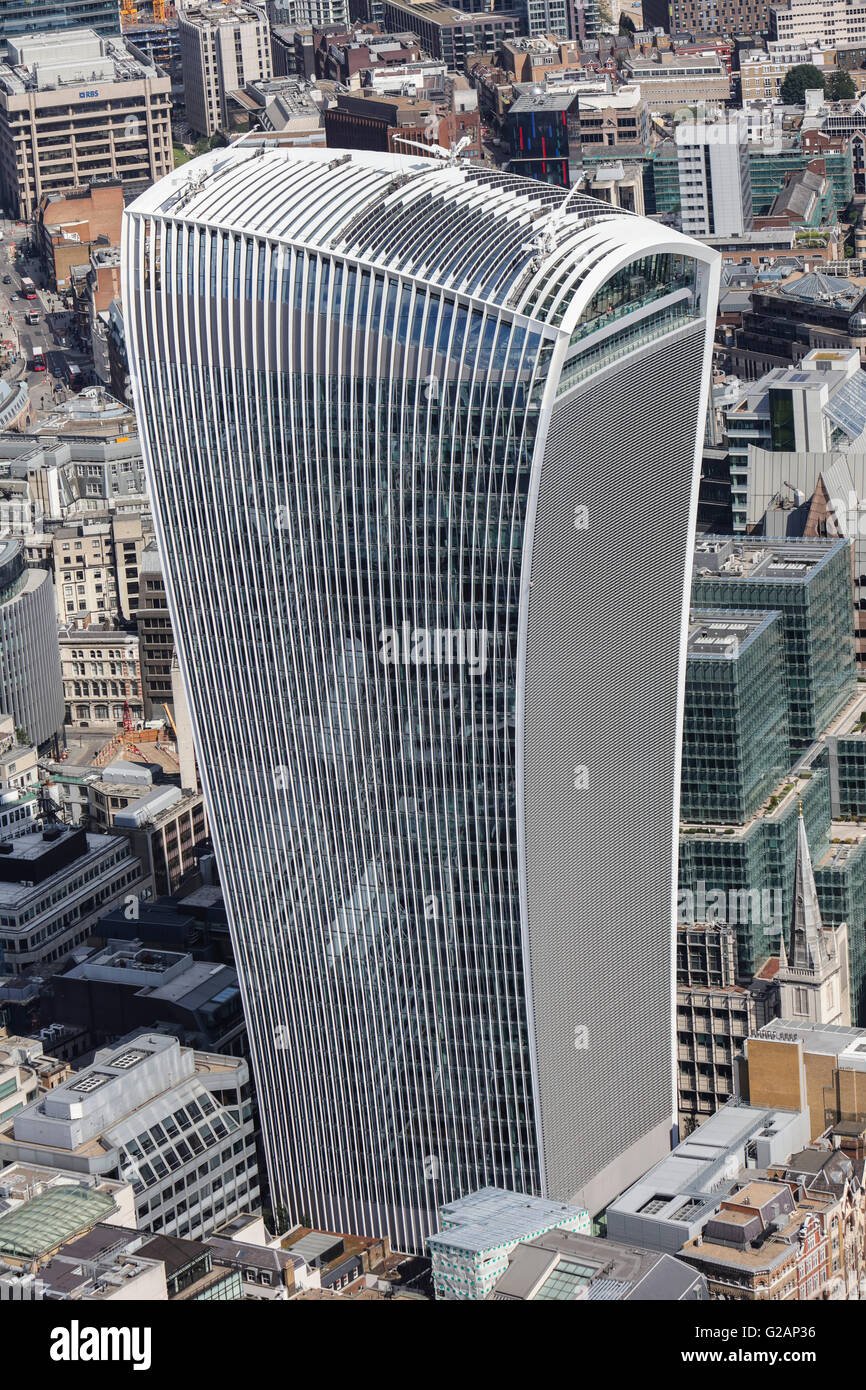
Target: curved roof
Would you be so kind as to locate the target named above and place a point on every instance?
(465, 227)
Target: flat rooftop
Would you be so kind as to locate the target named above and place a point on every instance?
(494, 1216)
(828, 1039)
(38, 62)
(720, 636)
(723, 557)
(214, 16)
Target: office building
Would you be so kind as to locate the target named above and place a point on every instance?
(747, 872)
(155, 636)
(20, 17)
(807, 411)
(716, 16)
(451, 34)
(562, 1266)
(80, 479)
(173, 1122)
(165, 823)
(85, 573)
(619, 118)
(34, 1071)
(303, 14)
(791, 316)
(846, 760)
(819, 1067)
(542, 134)
(735, 732)
(222, 47)
(101, 681)
(716, 1010)
(414, 1123)
(672, 1202)
(124, 987)
(669, 81)
(54, 884)
(44, 1209)
(31, 685)
(477, 1233)
(762, 71)
(818, 21)
(714, 180)
(89, 109)
(809, 583)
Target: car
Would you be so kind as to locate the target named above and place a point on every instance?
(7, 279)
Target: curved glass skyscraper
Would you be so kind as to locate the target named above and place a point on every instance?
(422, 443)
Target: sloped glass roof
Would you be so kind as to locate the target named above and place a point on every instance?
(40, 1225)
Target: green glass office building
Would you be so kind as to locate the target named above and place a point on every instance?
(735, 732)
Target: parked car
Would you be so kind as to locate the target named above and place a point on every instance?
(7, 279)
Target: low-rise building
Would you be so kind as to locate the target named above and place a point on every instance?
(793, 1232)
(101, 678)
(564, 1266)
(671, 1204)
(175, 1123)
(762, 72)
(668, 81)
(54, 884)
(46, 1209)
(477, 1234)
(124, 987)
(70, 223)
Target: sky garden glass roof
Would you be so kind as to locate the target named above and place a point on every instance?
(492, 236)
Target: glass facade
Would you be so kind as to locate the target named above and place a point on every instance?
(735, 733)
(759, 858)
(544, 143)
(812, 589)
(344, 443)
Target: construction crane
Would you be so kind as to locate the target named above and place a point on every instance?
(159, 11)
(128, 14)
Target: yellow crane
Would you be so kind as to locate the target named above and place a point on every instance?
(128, 14)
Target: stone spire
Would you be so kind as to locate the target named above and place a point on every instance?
(806, 946)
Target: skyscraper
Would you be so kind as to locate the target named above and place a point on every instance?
(410, 427)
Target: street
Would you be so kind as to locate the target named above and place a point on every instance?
(48, 387)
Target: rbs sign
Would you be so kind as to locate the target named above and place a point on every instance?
(81, 95)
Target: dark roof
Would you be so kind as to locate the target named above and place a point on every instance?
(102, 1240)
(175, 1252)
(251, 1256)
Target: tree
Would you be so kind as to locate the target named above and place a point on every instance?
(801, 79)
(840, 87)
(626, 24)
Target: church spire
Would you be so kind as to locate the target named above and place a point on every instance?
(806, 949)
